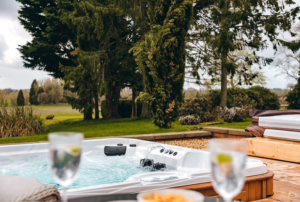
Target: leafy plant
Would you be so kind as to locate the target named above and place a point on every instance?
(232, 114)
(261, 97)
(189, 120)
(200, 108)
(264, 98)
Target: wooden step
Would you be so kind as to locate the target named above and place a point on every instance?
(274, 149)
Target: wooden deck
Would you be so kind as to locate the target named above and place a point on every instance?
(274, 149)
(256, 187)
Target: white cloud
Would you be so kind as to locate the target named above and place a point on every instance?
(19, 78)
(9, 9)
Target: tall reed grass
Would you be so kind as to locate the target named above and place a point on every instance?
(19, 121)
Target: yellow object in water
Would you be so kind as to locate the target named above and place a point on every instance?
(224, 158)
(75, 151)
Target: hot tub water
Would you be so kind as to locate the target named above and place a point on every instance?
(94, 170)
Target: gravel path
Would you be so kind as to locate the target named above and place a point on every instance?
(190, 143)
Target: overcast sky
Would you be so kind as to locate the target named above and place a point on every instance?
(14, 75)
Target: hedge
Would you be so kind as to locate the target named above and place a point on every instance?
(124, 108)
(264, 98)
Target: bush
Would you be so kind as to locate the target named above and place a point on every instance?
(293, 98)
(124, 108)
(18, 121)
(197, 110)
(233, 114)
(189, 120)
(50, 117)
(262, 97)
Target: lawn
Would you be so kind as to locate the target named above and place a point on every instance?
(61, 108)
(102, 128)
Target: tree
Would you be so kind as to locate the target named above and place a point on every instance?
(288, 62)
(244, 73)
(161, 58)
(20, 99)
(85, 80)
(223, 23)
(50, 91)
(52, 41)
(102, 38)
(293, 96)
(32, 93)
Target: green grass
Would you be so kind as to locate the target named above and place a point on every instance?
(102, 128)
(61, 108)
(236, 125)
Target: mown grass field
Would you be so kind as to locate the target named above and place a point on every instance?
(101, 128)
(62, 108)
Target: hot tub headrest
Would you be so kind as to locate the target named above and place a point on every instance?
(114, 150)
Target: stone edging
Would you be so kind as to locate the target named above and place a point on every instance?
(149, 137)
(228, 131)
(165, 136)
(207, 132)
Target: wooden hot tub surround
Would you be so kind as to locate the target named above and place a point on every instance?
(255, 188)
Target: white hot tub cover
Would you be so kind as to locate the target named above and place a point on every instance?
(193, 166)
(291, 121)
(282, 135)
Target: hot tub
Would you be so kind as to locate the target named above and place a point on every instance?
(101, 174)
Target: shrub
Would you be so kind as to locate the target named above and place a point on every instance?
(233, 114)
(189, 120)
(264, 98)
(20, 99)
(293, 98)
(197, 110)
(261, 96)
(19, 121)
(50, 117)
(124, 108)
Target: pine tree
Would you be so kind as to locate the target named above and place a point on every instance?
(20, 99)
(102, 45)
(52, 41)
(85, 80)
(221, 23)
(161, 58)
(32, 93)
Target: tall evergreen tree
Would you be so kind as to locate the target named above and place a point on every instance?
(85, 80)
(52, 41)
(102, 34)
(221, 23)
(161, 58)
(20, 99)
(33, 93)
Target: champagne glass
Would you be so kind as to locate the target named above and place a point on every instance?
(228, 158)
(65, 153)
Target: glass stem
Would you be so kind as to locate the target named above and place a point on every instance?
(64, 194)
(228, 200)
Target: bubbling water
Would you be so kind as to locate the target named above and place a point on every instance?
(94, 170)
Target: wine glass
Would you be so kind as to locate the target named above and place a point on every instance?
(65, 153)
(228, 158)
